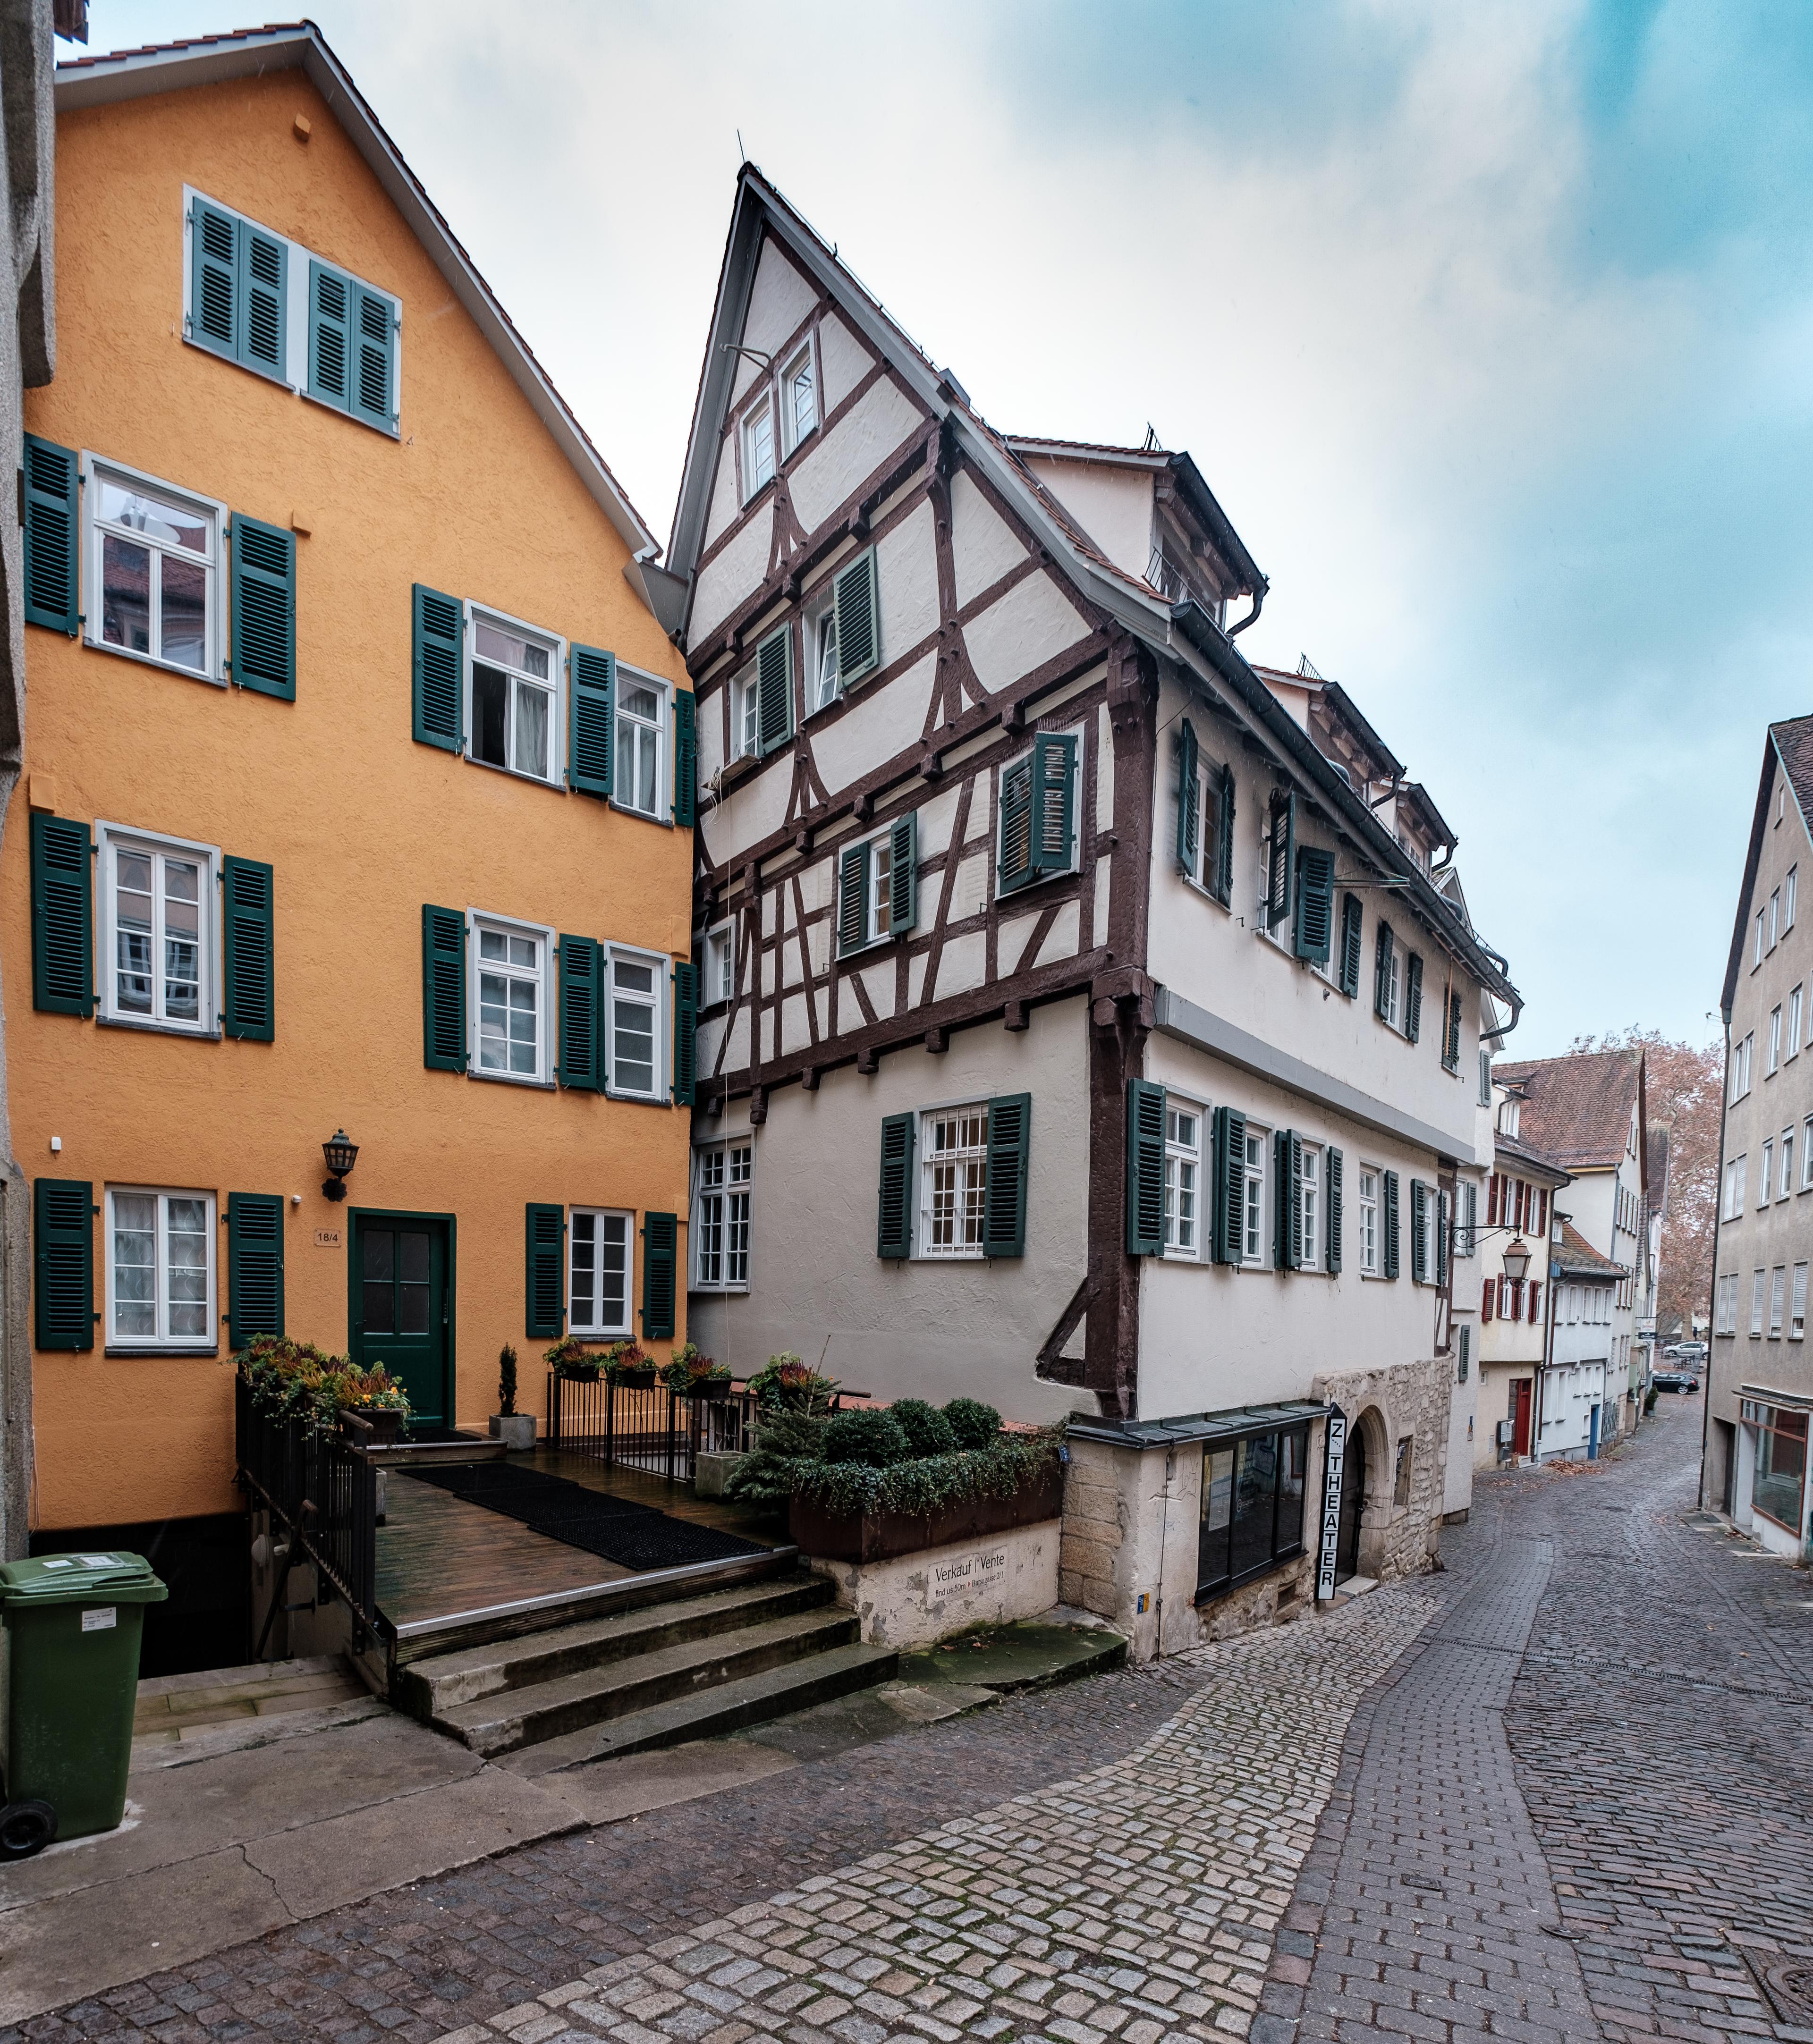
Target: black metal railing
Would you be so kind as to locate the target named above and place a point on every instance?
(647, 1428)
(324, 1492)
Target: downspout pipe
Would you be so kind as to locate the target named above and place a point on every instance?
(1252, 617)
(1712, 1298)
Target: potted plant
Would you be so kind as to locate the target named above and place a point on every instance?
(784, 1384)
(570, 1358)
(516, 1430)
(628, 1365)
(691, 1375)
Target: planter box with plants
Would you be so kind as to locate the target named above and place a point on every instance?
(516, 1430)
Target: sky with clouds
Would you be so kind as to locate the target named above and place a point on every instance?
(1490, 326)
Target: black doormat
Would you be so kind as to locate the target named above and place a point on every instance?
(636, 1536)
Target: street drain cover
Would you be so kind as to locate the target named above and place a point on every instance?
(1790, 1987)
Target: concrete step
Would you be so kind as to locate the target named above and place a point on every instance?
(710, 1713)
(512, 1718)
(430, 1687)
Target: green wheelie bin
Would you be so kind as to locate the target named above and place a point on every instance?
(73, 1622)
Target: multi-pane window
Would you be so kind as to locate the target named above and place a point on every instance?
(1784, 1180)
(758, 447)
(719, 981)
(878, 852)
(1394, 989)
(641, 711)
(160, 1269)
(1791, 1049)
(635, 1064)
(510, 1008)
(798, 398)
(745, 713)
(1183, 1167)
(153, 559)
(1806, 1153)
(1252, 1218)
(1734, 1174)
(721, 1256)
(157, 911)
(821, 668)
(1774, 1042)
(1310, 1207)
(1367, 1208)
(515, 685)
(954, 1181)
(1763, 1175)
(1252, 1516)
(598, 1271)
(1725, 1308)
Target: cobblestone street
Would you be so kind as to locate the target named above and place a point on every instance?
(1564, 1789)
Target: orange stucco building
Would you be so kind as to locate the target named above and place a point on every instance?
(351, 759)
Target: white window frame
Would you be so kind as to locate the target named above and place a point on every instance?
(1467, 1220)
(794, 436)
(615, 954)
(1790, 887)
(1793, 1029)
(1756, 953)
(1784, 1161)
(1366, 1204)
(1759, 1291)
(629, 677)
(926, 1246)
(599, 1329)
(1806, 1155)
(1179, 1156)
(110, 840)
(1797, 1304)
(1774, 918)
(484, 613)
(820, 608)
(718, 969)
(1773, 1063)
(1310, 1207)
(1777, 1301)
(1255, 1171)
(878, 885)
(756, 408)
(1725, 1309)
(1767, 1173)
(94, 468)
(478, 920)
(717, 1189)
(207, 1344)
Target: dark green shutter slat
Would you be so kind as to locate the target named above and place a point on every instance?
(263, 608)
(686, 1031)
(1224, 852)
(1392, 1230)
(373, 380)
(894, 1225)
(661, 1237)
(249, 1007)
(544, 1314)
(903, 873)
(1004, 1198)
(686, 759)
(1016, 847)
(774, 689)
(254, 1266)
(1418, 1232)
(215, 316)
(1315, 903)
(1451, 1047)
(1441, 1239)
(1288, 1166)
(439, 633)
(1331, 1209)
(593, 674)
(1280, 859)
(859, 639)
(52, 520)
(1145, 1168)
(62, 1245)
(1413, 996)
(1228, 1216)
(330, 334)
(1382, 973)
(1054, 802)
(264, 297)
(63, 916)
(443, 989)
(853, 900)
(1351, 915)
(582, 1013)
(1189, 801)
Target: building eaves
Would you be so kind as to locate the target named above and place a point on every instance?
(122, 74)
(1577, 1258)
(1513, 1149)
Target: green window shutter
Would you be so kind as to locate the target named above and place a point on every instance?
(853, 900)
(1413, 996)
(1280, 856)
(374, 359)
(1004, 1199)
(1016, 850)
(894, 1226)
(216, 319)
(1391, 1227)
(263, 608)
(1441, 1240)
(686, 1031)
(1145, 1168)
(1223, 887)
(686, 758)
(1189, 801)
(63, 1232)
(52, 520)
(1287, 1175)
(263, 297)
(774, 690)
(582, 1013)
(1451, 1040)
(443, 990)
(903, 873)
(254, 1266)
(1352, 917)
(1418, 1232)
(1331, 1209)
(437, 662)
(1382, 973)
(1054, 802)
(545, 1313)
(330, 335)
(592, 678)
(660, 1239)
(1315, 903)
(859, 636)
(1227, 1219)
(63, 916)
(249, 1008)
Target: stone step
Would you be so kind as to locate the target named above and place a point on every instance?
(513, 1718)
(428, 1689)
(710, 1713)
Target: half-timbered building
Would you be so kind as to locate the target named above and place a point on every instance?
(1082, 1028)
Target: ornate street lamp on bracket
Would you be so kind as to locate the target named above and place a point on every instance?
(1516, 1260)
(339, 1154)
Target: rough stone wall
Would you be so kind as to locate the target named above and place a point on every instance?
(1408, 1401)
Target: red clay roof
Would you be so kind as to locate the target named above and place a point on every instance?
(1660, 1132)
(1580, 1259)
(1577, 1109)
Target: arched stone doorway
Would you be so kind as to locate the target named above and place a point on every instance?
(1365, 1466)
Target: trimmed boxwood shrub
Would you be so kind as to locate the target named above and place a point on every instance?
(873, 1439)
(919, 1488)
(974, 1424)
(928, 1431)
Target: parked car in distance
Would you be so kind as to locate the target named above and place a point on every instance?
(1686, 1351)
(1675, 1380)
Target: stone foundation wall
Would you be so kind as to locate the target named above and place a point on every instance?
(1407, 1401)
(912, 1599)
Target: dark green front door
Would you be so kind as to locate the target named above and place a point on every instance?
(401, 1308)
